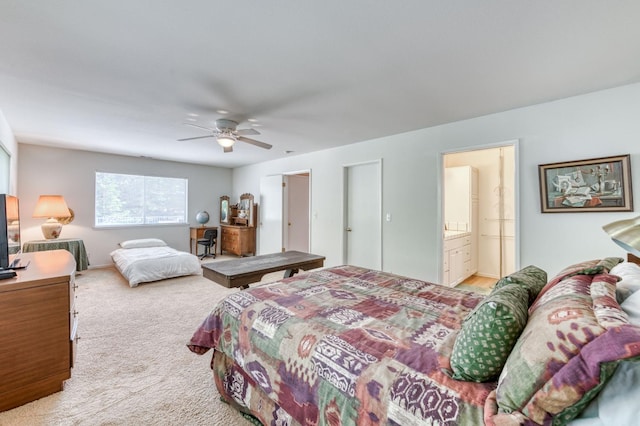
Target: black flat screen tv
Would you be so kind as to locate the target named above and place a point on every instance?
(9, 228)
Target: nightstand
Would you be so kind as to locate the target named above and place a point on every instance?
(75, 246)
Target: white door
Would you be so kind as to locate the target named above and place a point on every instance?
(363, 225)
(271, 189)
(297, 201)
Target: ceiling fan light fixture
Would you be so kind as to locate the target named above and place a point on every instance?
(227, 134)
(226, 141)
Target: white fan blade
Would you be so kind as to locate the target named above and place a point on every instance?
(199, 126)
(244, 132)
(196, 137)
(254, 142)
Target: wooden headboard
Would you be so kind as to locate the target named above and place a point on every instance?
(632, 258)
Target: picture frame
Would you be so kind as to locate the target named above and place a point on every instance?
(593, 185)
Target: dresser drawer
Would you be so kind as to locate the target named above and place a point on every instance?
(239, 240)
(229, 238)
(232, 246)
(72, 290)
(229, 231)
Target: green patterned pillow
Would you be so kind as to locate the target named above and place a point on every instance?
(532, 278)
(488, 334)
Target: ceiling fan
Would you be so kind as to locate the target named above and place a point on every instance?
(226, 134)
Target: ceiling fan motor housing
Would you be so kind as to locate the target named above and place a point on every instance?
(223, 125)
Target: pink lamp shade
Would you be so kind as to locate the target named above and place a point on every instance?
(51, 207)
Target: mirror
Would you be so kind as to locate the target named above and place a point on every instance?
(224, 209)
(13, 223)
(245, 208)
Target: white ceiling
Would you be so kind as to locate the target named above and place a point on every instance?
(122, 76)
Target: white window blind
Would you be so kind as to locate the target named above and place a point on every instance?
(132, 200)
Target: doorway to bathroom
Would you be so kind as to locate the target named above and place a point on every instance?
(488, 249)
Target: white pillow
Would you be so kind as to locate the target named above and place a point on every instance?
(143, 242)
(632, 308)
(630, 283)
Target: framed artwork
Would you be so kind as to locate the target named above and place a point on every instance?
(594, 185)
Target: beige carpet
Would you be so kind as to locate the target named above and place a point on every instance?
(132, 365)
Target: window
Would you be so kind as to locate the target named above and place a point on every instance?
(123, 200)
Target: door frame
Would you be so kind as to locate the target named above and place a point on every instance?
(285, 207)
(515, 143)
(345, 170)
(285, 204)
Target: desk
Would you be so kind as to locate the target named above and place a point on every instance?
(242, 272)
(195, 233)
(75, 246)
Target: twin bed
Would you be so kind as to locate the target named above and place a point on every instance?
(150, 259)
(347, 345)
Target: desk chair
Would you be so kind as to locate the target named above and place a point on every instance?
(209, 242)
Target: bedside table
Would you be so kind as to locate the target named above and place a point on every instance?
(75, 246)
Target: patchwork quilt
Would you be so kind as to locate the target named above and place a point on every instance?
(343, 345)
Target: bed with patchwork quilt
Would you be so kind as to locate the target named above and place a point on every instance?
(347, 345)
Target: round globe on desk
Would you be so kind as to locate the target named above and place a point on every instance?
(202, 217)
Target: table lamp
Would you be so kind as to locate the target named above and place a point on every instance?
(52, 207)
(625, 233)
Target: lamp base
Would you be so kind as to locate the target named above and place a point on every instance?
(51, 229)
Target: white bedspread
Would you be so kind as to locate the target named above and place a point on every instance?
(139, 265)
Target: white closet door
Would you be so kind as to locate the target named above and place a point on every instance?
(363, 230)
(270, 208)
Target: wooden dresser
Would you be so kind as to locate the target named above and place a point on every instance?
(237, 239)
(38, 324)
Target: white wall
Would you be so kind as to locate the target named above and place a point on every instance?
(44, 170)
(600, 124)
(9, 143)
